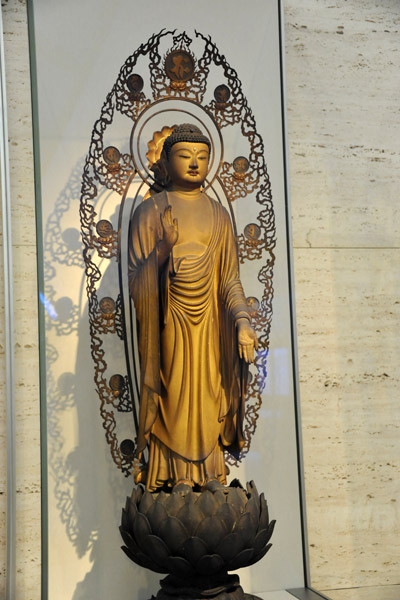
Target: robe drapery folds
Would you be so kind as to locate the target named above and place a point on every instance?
(192, 380)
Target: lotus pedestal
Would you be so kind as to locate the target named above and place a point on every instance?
(197, 537)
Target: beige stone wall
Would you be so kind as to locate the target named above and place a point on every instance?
(25, 311)
(3, 436)
(343, 89)
(342, 60)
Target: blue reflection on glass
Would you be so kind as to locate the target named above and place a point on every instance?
(48, 306)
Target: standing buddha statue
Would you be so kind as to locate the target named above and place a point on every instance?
(194, 332)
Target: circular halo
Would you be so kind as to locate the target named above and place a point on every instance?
(177, 112)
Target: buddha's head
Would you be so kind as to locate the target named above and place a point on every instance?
(186, 153)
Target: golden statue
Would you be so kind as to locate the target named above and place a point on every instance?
(194, 332)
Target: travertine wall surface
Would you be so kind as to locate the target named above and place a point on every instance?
(343, 89)
(25, 311)
(343, 85)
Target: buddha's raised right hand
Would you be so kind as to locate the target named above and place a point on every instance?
(170, 235)
(170, 227)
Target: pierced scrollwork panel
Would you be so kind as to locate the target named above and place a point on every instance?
(168, 77)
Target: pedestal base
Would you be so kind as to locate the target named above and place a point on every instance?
(226, 587)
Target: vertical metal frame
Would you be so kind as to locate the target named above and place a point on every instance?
(9, 328)
(40, 285)
(292, 299)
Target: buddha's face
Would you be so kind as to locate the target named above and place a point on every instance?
(188, 163)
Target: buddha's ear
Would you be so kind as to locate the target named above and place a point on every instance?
(160, 170)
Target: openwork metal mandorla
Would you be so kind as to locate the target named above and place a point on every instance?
(171, 79)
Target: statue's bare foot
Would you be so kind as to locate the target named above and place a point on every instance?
(183, 486)
(212, 485)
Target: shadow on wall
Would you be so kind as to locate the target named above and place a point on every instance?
(86, 491)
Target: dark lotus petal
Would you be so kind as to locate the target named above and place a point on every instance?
(127, 503)
(252, 490)
(209, 564)
(190, 516)
(271, 528)
(162, 497)
(252, 507)
(220, 497)
(245, 528)
(259, 556)
(241, 560)
(137, 494)
(173, 532)
(129, 541)
(174, 503)
(129, 553)
(231, 545)
(157, 550)
(125, 519)
(146, 503)
(132, 512)
(143, 561)
(264, 517)
(180, 566)
(235, 483)
(212, 531)
(141, 529)
(236, 512)
(193, 549)
(260, 540)
(237, 499)
(156, 516)
(207, 503)
(227, 515)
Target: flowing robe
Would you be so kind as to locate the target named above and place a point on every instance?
(192, 380)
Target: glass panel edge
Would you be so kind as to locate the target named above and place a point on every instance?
(292, 300)
(40, 283)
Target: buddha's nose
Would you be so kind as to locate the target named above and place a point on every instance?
(193, 163)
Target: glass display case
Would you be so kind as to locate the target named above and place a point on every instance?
(106, 84)
(85, 488)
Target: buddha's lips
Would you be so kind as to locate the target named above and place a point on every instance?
(193, 172)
